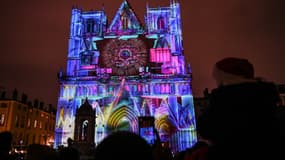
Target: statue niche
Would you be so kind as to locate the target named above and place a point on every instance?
(84, 126)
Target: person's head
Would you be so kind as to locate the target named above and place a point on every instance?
(69, 142)
(42, 152)
(233, 70)
(69, 153)
(123, 145)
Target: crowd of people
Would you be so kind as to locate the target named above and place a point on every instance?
(243, 121)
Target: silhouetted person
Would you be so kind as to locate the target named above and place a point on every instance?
(159, 152)
(240, 120)
(69, 142)
(197, 152)
(123, 145)
(41, 152)
(180, 155)
(69, 153)
(5, 145)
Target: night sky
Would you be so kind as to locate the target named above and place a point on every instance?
(34, 39)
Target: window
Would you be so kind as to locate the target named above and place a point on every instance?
(90, 26)
(35, 124)
(40, 138)
(23, 121)
(2, 119)
(125, 21)
(84, 130)
(17, 121)
(160, 23)
(29, 123)
(86, 59)
(27, 139)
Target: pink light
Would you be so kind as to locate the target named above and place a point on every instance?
(152, 55)
(174, 63)
(167, 89)
(156, 55)
(109, 70)
(160, 55)
(88, 67)
(162, 88)
(127, 88)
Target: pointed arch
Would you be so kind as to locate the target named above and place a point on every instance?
(123, 114)
(160, 23)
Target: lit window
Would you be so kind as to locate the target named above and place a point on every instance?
(84, 130)
(2, 119)
(35, 124)
(34, 138)
(29, 123)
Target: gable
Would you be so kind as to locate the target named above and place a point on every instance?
(125, 21)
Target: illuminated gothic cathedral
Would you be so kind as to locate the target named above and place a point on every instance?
(126, 70)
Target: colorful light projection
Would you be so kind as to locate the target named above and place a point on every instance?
(128, 71)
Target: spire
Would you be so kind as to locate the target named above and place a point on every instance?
(86, 102)
(147, 5)
(85, 107)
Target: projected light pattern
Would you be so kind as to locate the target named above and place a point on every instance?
(128, 71)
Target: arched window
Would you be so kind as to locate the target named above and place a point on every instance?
(125, 22)
(160, 23)
(90, 26)
(84, 130)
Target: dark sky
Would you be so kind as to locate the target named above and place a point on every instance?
(34, 39)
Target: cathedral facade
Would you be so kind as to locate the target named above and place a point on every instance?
(128, 70)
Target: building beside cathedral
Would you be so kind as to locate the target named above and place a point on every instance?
(126, 70)
(29, 123)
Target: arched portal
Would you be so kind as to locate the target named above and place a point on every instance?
(123, 118)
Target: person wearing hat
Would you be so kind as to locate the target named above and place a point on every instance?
(240, 119)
